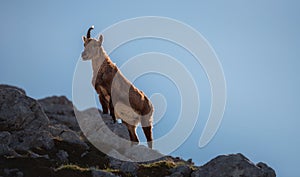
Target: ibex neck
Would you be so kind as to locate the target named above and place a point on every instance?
(97, 62)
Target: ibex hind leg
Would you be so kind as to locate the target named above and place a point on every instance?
(147, 128)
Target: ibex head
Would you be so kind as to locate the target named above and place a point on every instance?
(91, 45)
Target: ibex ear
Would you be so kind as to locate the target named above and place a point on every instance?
(84, 38)
(100, 39)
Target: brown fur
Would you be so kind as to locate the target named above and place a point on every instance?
(116, 93)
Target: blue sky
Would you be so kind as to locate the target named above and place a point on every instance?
(257, 43)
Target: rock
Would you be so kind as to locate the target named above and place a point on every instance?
(116, 159)
(22, 122)
(266, 169)
(183, 170)
(129, 167)
(115, 163)
(63, 123)
(176, 174)
(57, 129)
(19, 112)
(5, 137)
(3, 86)
(60, 111)
(190, 161)
(35, 155)
(6, 150)
(73, 138)
(102, 134)
(89, 120)
(118, 129)
(234, 165)
(42, 137)
(140, 153)
(27, 139)
(62, 156)
(101, 173)
(13, 172)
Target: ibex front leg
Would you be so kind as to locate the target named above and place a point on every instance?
(112, 110)
(104, 103)
(132, 133)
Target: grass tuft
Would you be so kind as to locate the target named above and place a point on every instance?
(72, 167)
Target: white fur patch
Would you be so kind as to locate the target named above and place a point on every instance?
(126, 113)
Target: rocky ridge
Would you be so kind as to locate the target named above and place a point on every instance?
(42, 138)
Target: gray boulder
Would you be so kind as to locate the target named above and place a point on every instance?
(234, 165)
(19, 112)
(141, 153)
(62, 156)
(22, 122)
(60, 111)
(4, 86)
(73, 138)
(24, 140)
(63, 123)
(129, 167)
(100, 130)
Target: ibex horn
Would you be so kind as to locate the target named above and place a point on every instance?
(88, 35)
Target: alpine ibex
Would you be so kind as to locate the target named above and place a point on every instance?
(116, 93)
